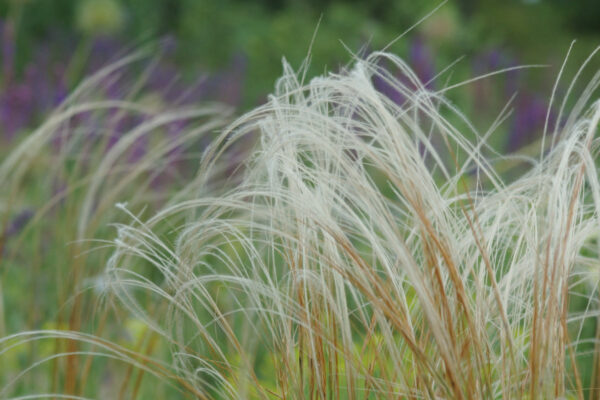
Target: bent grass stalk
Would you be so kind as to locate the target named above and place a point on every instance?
(357, 256)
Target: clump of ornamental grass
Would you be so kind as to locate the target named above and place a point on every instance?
(370, 250)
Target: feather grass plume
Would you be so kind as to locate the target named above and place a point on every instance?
(372, 249)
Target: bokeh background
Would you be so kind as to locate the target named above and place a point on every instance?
(231, 50)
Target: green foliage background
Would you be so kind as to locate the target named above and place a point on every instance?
(211, 32)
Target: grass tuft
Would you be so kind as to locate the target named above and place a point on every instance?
(339, 242)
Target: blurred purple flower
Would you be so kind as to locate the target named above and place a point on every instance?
(382, 84)
(45, 82)
(38, 91)
(164, 79)
(528, 122)
(486, 91)
(120, 125)
(60, 192)
(511, 83)
(16, 109)
(138, 149)
(18, 222)
(422, 61)
(103, 51)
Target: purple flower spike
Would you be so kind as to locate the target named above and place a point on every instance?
(494, 59)
(61, 91)
(138, 149)
(16, 109)
(120, 126)
(529, 119)
(382, 83)
(422, 61)
(18, 223)
(512, 78)
(104, 51)
(164, 79)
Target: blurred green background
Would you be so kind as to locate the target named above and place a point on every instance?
(233, 48)
(210, 33)
(231, 51)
